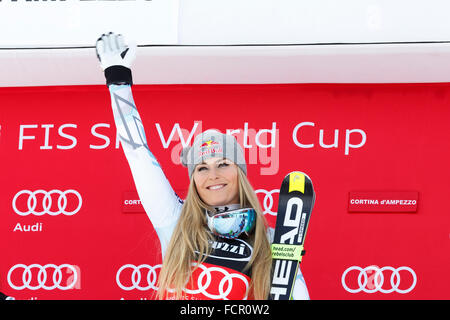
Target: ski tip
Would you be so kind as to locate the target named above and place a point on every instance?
(294, 173)
(297, 181)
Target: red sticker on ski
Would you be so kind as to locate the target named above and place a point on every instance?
(378, 201)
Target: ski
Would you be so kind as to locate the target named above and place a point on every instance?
(295, 205)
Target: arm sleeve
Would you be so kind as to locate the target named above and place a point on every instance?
(160, 202)
(300, 291)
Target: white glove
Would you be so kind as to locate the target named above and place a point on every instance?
(112, 51)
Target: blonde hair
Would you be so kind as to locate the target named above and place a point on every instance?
(190, 242)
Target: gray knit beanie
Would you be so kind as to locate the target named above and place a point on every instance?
(210, 144)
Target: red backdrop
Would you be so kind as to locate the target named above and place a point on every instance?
(66, 233)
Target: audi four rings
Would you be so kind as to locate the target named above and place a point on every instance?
(227, 280)
(136, 277)
(42, 275)
(268, 201)
(46, 202)
(377, 279)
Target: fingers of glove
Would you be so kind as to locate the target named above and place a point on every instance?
(109, 42)
(115, 43)
(100, 47)
(121, 43)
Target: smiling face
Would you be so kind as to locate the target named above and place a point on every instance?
(216, 180)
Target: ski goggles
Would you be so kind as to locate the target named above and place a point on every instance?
(232, 224)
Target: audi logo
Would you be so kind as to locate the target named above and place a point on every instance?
(268, 201)
(227, 279)
(44, 272)
(203, 281)
(371, 279)
(46, 202)
(136, 277)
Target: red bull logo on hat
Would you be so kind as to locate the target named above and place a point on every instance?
(209, 143)
(209, 147)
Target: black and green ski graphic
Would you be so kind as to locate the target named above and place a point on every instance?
(295, 205)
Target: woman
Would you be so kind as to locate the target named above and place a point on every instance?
(215, 243)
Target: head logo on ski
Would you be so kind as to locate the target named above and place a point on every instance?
(295, 204)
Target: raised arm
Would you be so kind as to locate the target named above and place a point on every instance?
(159, 200)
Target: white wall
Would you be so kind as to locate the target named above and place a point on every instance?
(312, 21)
(233, 41)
